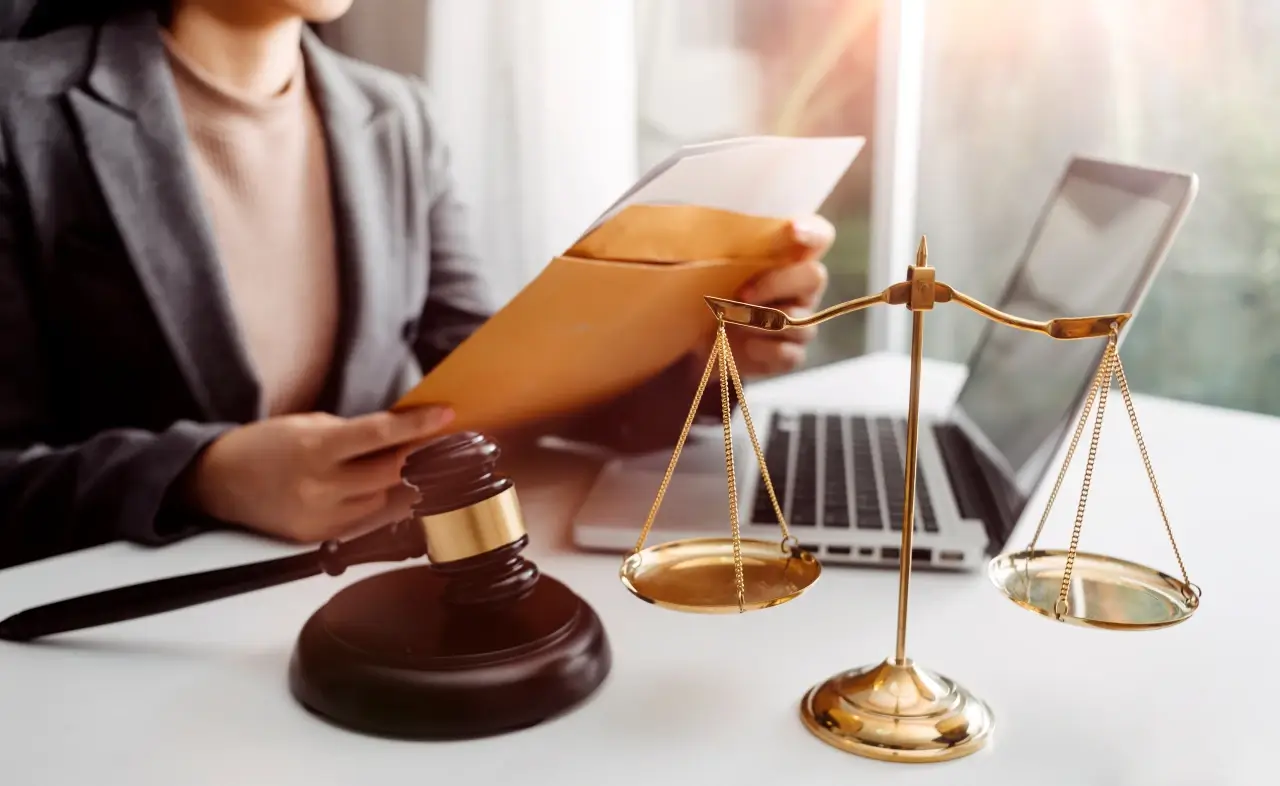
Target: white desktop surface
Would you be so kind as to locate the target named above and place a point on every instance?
(199, 696)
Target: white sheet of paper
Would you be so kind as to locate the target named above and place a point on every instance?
(762, 175)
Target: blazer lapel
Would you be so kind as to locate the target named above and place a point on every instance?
(362, 145)
(136, 142)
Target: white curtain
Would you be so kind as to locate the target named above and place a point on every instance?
(538, 98)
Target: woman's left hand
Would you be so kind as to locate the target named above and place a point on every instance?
(795, 286)
(650, 416)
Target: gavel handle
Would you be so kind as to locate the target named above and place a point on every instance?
(392, 543)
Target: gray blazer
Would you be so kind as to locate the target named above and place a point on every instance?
(119, 356)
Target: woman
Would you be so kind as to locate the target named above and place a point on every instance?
(225, 250)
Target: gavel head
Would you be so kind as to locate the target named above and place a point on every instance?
(473, 644)
(470, 517)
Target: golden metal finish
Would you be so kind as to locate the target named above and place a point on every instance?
(681, 575)
(897, 711)
(1112, 588)
(921, 279)
(475, 529)
(1062, 328)
(1105, 592)
(700, 575)
(766, 318)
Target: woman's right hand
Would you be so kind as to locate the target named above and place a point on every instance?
(311, 476)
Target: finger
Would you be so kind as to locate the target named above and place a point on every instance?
(802, 284)
(374, 472)
(811, 236)
(381, 430)
(352, 513)
(765, 356)
(367, 475)
(400, 501)
(800, 336)
(363, 505)
(397, 454)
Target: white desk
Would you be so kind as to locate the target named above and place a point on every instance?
(199, 696)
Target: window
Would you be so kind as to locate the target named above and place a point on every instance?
(722, 68)
(971, 109)
(1013, 88)
(1005, 92)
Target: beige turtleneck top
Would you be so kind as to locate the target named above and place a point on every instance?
(262, 168)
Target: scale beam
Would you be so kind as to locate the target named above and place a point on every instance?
(772, 319)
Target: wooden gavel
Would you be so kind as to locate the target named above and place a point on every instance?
(475, 643)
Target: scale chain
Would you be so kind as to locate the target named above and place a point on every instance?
(1109, 370)
(675, 455)
(755, 444)
(1151, 475)
(722, 338)
(1098, 379)
(721, 357)
(1108, 363)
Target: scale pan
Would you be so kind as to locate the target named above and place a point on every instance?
(696, 575)
(1105, 592)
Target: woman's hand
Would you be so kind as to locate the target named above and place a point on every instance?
(795, 286)
(312, 476)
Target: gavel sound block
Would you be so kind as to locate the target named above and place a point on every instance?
(476, 643)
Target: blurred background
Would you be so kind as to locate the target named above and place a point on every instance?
(971, 109)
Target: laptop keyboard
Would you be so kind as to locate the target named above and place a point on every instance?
(824, 446)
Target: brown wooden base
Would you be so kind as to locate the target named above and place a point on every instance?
(390, 656)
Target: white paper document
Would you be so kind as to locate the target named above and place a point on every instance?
(762, 175)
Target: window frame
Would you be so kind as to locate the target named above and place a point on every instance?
(894, 180)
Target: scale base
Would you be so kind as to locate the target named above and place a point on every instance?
(390, 656)
(897, 712)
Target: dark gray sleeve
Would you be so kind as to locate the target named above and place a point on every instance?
(54, 497)
(458, 297)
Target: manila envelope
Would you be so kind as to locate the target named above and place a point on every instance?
(615, 310)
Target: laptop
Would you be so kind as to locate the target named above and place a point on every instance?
(1095, 248)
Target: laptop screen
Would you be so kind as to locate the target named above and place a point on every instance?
(1094, 251)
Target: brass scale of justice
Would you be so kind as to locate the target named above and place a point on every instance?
(897, 710)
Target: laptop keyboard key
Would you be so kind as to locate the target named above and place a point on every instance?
(803, 514)
(804, 494)
(775, 459)
(836, 516)
(891, 464)
(866, 512)
(763, 512)
(866, 494)
(835, 499)
(925, 507)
